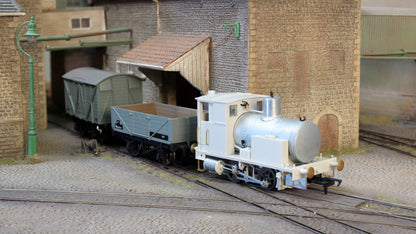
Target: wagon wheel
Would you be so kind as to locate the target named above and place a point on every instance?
(168, 157)
(268, 177)
(81, 129)
(101, 139)
(132, 148)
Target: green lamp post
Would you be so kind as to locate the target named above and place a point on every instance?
(32, 36)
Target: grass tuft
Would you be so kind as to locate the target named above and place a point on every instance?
(20, 160)
(366, 120)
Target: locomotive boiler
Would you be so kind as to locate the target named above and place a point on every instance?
(244, 137)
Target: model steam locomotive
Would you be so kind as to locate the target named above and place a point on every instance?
(244, 137)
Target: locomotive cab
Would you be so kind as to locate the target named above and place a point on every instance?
(244, 137)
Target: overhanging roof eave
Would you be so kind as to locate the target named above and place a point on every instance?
(160, 68)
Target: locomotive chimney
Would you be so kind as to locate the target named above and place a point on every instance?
(271, 108)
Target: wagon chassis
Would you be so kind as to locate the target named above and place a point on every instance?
(164, 153)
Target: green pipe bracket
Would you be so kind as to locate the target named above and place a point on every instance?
(234, 28)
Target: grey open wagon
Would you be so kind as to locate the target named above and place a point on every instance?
(163, 129)
(90, 93)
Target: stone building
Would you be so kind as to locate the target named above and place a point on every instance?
(14, 76)
(306, 52)
(59, 18)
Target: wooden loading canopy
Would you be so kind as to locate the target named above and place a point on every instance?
(187, 54)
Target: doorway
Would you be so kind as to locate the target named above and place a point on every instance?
(63, 61)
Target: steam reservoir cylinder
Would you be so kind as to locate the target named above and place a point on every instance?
(304, 137)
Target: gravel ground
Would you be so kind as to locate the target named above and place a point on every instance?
(376, 173)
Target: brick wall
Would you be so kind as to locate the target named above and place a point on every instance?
(11, 109)
(14, 85)
(141, 17)
(228, 60)
(307, 52)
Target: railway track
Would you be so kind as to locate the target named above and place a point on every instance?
(316, 218)
(398, 144)
(392, 213)
(125, 200)
(346, 214)
(312, 218)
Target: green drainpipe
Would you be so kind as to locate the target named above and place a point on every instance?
(391, 55)
(90, 44)
(68, 36)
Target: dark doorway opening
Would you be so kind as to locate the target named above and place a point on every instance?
(186, 92)
(174, 89)
(64, 61)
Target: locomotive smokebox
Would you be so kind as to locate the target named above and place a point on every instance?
(304, 137)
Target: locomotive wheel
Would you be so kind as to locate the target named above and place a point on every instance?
(233, 177)
(268, 176)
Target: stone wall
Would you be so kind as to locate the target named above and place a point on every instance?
(11, 107)
(307, 52)
(58, 23)
(228, 54)
(141, 17)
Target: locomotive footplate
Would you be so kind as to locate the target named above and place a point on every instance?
(324, 181)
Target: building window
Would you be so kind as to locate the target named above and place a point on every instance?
(80, 23)
(259, 106)
(233, 110)
(73, 3)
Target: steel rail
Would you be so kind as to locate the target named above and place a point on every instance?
(401, 140)
(284, 217)
(375, 142)
(188, 208)
(139, 205)
(367, 212)
(372, 200)
(352, 228)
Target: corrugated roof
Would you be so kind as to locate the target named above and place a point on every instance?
(91, 76)
(9, 6)
(387, 33)
(161, 50)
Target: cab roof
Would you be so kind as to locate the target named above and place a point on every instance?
(227, 97)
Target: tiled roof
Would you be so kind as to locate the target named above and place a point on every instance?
(161, 50)
(9, 6)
